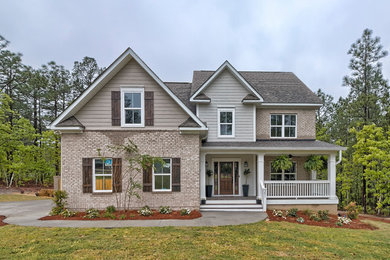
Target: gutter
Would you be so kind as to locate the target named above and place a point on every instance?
(340, 157)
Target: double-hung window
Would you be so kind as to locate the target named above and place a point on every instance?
(102, 175)
(284, 126)
(226, 122)
(284, 175)
(132, 105)
(162, 175)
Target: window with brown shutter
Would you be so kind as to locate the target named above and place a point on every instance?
(117, 174)
(116, 108)
(175, 174)
(149, 108)
(87, 175)
(147, 179)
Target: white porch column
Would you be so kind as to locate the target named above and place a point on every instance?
(260, 174)
(332, 175)
(202, 167)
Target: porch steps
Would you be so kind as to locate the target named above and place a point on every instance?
(232, 205)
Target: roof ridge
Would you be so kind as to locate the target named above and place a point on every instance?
(177, 82)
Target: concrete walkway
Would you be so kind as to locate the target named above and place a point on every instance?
(27, 213)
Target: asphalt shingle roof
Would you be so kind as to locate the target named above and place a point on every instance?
(183, 91)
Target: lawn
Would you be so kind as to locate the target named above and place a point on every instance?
(19, 197)
(259, 240)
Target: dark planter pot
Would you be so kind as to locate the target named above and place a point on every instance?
(245, 189)
(209, 190)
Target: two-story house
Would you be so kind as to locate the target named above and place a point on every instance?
(208, 132)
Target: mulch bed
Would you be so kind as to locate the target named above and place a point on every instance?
(130, 215)
(381, 219)
(1, 221)
(356, 223)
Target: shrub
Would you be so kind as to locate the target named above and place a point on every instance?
(352, 210)
(185, 211)
(343, 220)
(292, 212)
(59, 201)
(277, 213)
(323, 214)
(66, 213)
(315, 217)
(109, 215)
(122, 217)
(386, 212)
(145, 211)
(300, 220)
(46, 193)
(92, 213)
(165, 210)
(110, 209)
(308, 212)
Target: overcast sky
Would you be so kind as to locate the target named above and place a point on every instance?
(309, 38)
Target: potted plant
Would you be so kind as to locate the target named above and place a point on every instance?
(314, 163)
(282, 163)
(245, 187)
(209, 188)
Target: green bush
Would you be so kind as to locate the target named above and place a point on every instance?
(386, 212)
(165, 210)
(110, 209)
(92, 213)
(185, 211)
(109, 215)
(352, 210)
(315, 217)
(67, 213)
(300, 220)
(292, 212)
(308, 212)
(122, 217)
(59, 201)
(323, 214)
(145, 211)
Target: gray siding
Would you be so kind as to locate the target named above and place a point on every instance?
(227, 92)
(96, 114)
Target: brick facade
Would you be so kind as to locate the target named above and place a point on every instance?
(170, 144)
(306, 122)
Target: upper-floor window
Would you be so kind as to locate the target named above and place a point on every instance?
(226, 122)
(284, 126)
(102, 175)
(132, 105)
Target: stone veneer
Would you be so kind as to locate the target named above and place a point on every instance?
(306, 122)
(171, 144)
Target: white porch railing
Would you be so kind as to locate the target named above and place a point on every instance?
(297, 189)
(263, 195)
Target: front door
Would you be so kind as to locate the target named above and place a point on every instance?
(226, 178)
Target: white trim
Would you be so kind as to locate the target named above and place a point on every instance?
(301, 201)
(219, 111)
(235, 73)
(102, 79)
(132, 89)
(251, 101)
(283, 126)
(94, 176)
(197, 109)
(202, 101)
(192, 129)
(254, 123)
(290, 105)
(318, 150)
(163, 174)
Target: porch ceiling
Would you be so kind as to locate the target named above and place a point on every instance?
(274, 145)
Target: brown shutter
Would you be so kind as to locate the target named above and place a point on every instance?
(116, 108)
(87, 175)
(149, 108)
(117, 174)
(175, 174)
(147, 179)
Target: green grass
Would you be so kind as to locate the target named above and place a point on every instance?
(254, 241)
(19, 197)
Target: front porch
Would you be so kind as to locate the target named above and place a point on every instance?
(224, 172)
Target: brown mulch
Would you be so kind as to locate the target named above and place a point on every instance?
(130, 215)
(381, 219)
(331, 222)
(1, 221)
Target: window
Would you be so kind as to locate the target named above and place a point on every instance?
(132, 103)
(226, 122)
(102, 175)
(162, 174)
(284, 126)
(287, 175)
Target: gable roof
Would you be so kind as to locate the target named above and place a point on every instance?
(183, 91)
(103, 78)
(274, 87)
(225, 66)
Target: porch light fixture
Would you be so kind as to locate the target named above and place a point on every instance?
(290, 156)
(207, 164)
(246, 164)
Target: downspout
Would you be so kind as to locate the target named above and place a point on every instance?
(340, 157)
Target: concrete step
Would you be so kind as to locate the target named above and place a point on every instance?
(234, 210)
(232, 202)
(231, 206)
